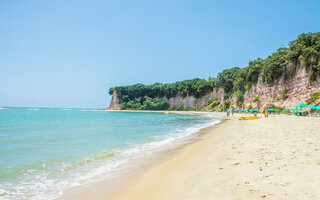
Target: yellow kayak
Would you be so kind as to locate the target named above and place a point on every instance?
(248, 118)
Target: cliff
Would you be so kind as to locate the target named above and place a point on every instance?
(286, 77)
(188, 100)
(299, 88)
(193, 102)
(115, 102)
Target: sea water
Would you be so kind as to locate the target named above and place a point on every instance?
(46, 150)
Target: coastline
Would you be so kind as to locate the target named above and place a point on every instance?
(269, 158)
(239, 160)
(132, 169)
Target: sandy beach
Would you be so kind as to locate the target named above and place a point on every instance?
(273, 158)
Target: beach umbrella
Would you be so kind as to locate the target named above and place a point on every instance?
(273, 109)
(301, 105)
(317, 107)
(296, 109)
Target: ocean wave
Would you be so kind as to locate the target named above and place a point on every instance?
(33, 109)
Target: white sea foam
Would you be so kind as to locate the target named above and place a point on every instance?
(33, 109)
(49, 185)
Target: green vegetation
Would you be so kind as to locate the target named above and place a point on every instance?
(211, 99)
(195, 87)
(235, 81)
(275, 107)
(214, 104)
(240, 98)
(256, 99)
(314, 97)
(284, 93)
(227, 104)
(145, 103)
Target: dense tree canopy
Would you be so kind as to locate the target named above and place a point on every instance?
(235, 81)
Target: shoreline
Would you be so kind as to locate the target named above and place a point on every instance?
(242, 160)
(270, 158)
(130, 169)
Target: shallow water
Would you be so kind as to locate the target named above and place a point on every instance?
(46, 150)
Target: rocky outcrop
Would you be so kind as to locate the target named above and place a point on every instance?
(115, 102)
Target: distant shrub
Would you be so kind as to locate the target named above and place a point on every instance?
(314, 97)
(284, 93)
(210, 100)
(227, 104)
(239, 97)
(221, 108)
(256, 99)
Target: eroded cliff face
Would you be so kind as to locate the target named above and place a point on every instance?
(115, 102)
(193, 102)
(299, 90)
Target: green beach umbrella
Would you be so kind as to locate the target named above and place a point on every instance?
(316, 107)
(301, 105)
(273, 109)
(296, 109)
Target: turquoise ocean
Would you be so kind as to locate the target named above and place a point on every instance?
(46, 150)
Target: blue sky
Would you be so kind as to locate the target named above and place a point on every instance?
(68, 53)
